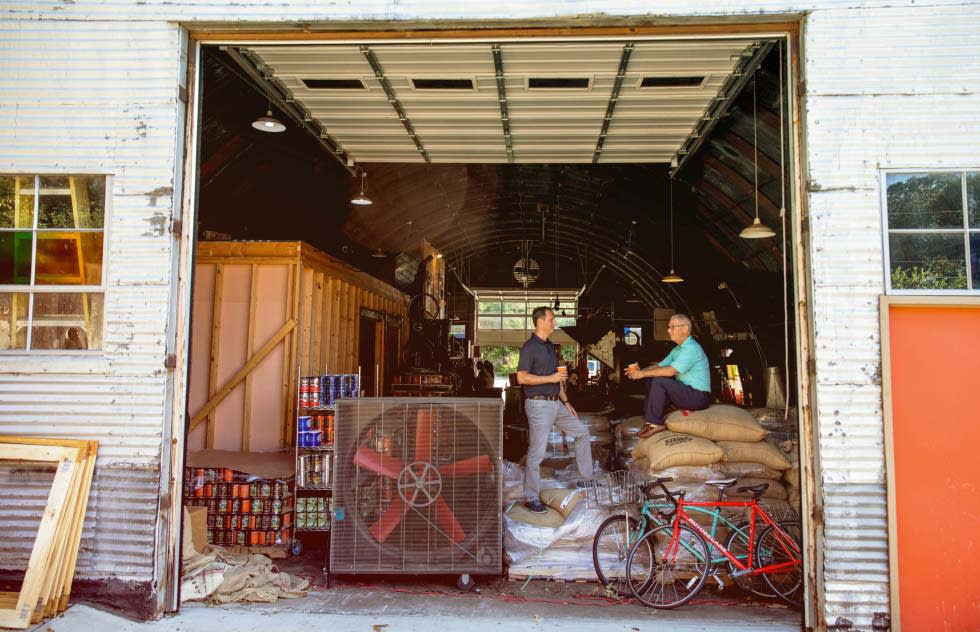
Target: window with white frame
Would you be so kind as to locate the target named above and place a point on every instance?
(515, 314)
(933, 231)
(52, 247)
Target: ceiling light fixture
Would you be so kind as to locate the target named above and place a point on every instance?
(673, 277)
(361, 199)
(379, 254)
(269, 123)
(756, 230)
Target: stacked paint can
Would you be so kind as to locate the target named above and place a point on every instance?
(316, 431)
(315, 471)
(325, 390)
(313, 513)
(242, 510)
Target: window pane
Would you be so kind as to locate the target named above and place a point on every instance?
(973, 198)
(926, 200)
(71, 202)
(489, 307)
(515, 308)
(489, 322)
(15, 258)
(67, 321)
(69, 258)
(515, 322)
(927, 261)
(13, 320)
(16, 211)
(975, 259)
(563, 321)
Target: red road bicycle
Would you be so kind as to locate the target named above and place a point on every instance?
(669, 565)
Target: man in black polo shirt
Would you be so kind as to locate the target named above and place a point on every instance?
(546, 405)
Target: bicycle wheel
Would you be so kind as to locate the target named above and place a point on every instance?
(738, 545)
(772, 548)
(610, 548)
(664, 572)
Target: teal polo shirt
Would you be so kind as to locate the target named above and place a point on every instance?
(691, 364)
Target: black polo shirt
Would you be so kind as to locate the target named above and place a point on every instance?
(539, 357)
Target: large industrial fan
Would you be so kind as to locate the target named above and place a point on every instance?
(417, 486)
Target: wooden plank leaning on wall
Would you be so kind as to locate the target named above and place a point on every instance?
(215, 348)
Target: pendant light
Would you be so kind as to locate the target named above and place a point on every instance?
(361, 199)
(269, 123)
(673, 277)
(756, 230)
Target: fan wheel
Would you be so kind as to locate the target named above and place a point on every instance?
(415, 493)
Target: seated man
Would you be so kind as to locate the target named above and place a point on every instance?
(682, 378)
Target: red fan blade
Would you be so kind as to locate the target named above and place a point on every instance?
(388, 520)
(447, 521)
(466, 466)
(379, 463)
(423, 435)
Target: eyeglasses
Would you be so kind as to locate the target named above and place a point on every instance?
(675, 326)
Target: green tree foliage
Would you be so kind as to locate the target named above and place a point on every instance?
(937, 274)
(925, 201)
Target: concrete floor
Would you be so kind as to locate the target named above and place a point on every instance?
(405, 605)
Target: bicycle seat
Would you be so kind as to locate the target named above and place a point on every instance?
(722, 483)
(661, 479)
(755, 489)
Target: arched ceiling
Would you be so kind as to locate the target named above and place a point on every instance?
(482, 215)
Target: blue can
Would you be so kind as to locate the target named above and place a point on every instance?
(304, 423)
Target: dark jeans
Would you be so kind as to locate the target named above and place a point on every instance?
(661, 390)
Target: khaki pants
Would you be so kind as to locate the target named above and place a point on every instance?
(541, 416)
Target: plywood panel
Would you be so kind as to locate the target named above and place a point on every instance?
(267, 403)
(201, 349)
(344, 326)
(336, 317)
(236, 285)
(253, 299)
(934, 440)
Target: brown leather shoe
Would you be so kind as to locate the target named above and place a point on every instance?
(649, 430)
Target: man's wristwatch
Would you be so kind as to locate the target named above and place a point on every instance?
(563, 401)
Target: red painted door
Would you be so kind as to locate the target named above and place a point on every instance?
(935, 384)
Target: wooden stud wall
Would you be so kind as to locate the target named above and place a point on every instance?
(285, 281)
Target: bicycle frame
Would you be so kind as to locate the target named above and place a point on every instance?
(785, 540)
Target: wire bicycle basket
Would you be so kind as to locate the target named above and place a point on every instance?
(614, 489)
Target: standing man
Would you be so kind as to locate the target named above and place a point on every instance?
(546, 405)
(682, 378)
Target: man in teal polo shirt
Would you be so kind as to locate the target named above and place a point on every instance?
(682, 378)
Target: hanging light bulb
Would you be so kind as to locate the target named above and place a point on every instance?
(361, 199)
(269, 123)
(673, 277)
(379, 254)
(756, 230)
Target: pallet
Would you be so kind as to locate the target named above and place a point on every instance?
(47, 583)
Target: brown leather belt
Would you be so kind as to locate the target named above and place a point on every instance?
(547, 398)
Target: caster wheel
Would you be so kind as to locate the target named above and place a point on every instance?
(465, 583)
(296, 547)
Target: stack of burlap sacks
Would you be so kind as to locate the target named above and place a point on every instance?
(720, 442)
(556, 544)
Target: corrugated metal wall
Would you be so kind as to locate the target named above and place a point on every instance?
(886, 86)
(98, 99)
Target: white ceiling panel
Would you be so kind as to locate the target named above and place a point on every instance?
(547, 124)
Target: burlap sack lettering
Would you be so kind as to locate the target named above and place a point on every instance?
(775, 491)
(552, 518)
(718, 423)
(667, 449)
(562, 500)
(741, 469)
(759, 452)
